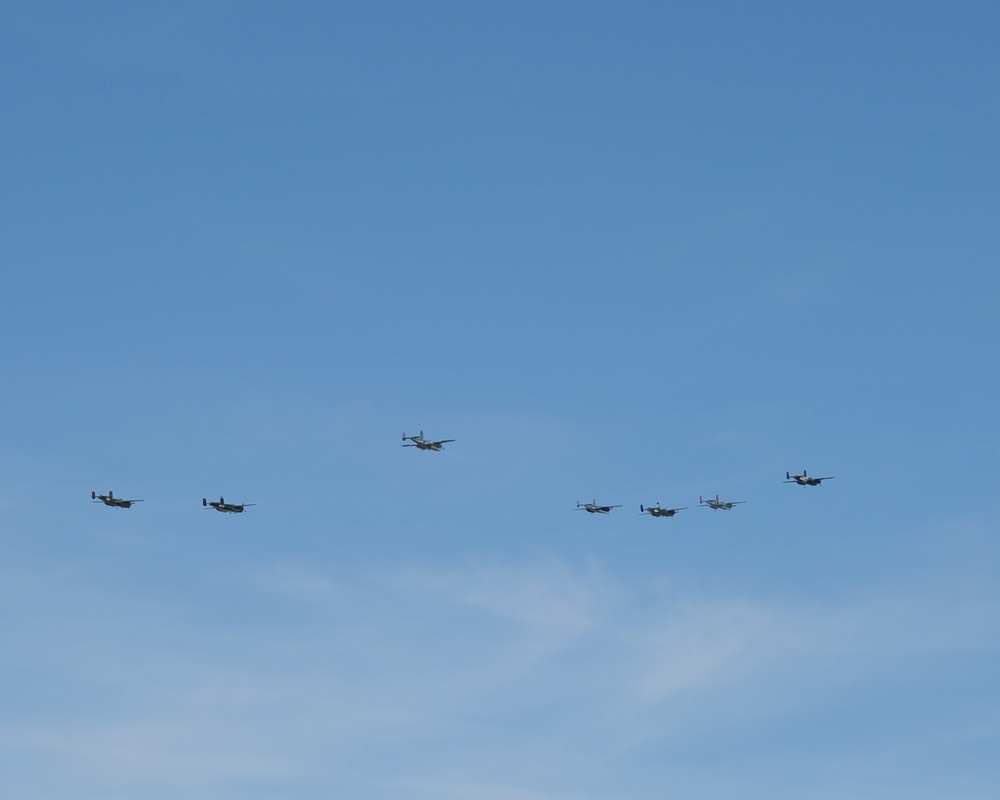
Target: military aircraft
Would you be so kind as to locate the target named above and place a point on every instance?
(716, 504)
(222, 505)
(656, 511)
(805, 480)
(593, 508)
(423, 444)
(109, 499)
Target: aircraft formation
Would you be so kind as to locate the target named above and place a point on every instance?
(437, 445)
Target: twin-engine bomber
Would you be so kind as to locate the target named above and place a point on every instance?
(229, 508)
(716, 504)
(805, 480)
(593, 508)
(656, 511)
(420, 442)
(109, 499)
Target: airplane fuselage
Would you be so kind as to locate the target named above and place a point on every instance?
(227, 508)
(662, 512)
(420, 442)
(717, 504)
(114, 502)
(805, 480)
(657, 511)
(593, 508)
(109, 499)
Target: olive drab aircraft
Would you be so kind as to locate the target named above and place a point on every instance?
(656, 511)
(716, 504)
(420, 442)
(593, 508)
(109, 499)
(805, 480)
(230, 508)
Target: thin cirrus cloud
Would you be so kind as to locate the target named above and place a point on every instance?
(342, 670)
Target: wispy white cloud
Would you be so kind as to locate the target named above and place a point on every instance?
(299, 582)
(557, 674)
(548, 596)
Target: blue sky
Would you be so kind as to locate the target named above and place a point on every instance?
(636, 252)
